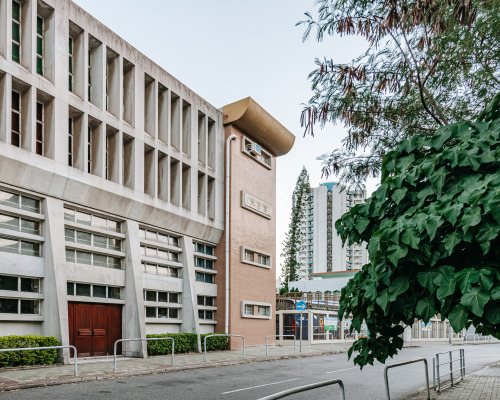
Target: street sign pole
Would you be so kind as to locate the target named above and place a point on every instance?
(301, 331)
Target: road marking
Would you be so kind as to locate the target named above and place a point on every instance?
(388, 362)
(267, 384)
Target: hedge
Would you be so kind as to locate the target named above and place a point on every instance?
(184, 343)
(29, 357)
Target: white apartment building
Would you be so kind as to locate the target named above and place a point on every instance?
(322, 250)
(111, 185)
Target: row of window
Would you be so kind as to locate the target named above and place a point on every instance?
(18, 246)
(153, 252)
(19, 224)
(95, 221)
(156, 269)
(202, 277)
(99, 260)
(19, 284)
(162, 297)
(147, 234)
(161, 312)
(206, 314)
(203, 248)
(255, 151)
(206, 301)
(19, 306)
(263, 311)
(88, 290)
(203, 263)
(257, 258)
(92, 239)
(19, 201)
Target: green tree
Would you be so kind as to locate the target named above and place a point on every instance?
(294, 240)
(433, 233)
(428, 63)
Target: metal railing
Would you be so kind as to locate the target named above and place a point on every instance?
(405, 363)
(294, 342)
(300, 389)
(47, 348)
(477, 336)
(141, 340)
(436, 374)
(321, 333)
(221, 334)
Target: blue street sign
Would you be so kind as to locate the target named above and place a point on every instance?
(301, 305)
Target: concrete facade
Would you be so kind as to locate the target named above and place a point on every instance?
(113, 172)
(322, 249)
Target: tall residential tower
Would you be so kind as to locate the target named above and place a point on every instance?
(322, 250)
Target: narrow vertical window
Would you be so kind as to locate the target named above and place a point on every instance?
(89, 78)
(70, 65)
(39, 45)
(39, 128)
(89, 150)
(70, 142)
(16, 31)
(15, 138)
(106, 173)
(107, 89)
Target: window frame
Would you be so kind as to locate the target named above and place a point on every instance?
(246, 250)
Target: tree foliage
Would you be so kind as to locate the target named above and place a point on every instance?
(293, 242)
(429, 63)
(433, 233)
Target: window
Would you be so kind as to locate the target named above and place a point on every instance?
(98, 291)
(255, 151)
(15, 137)
(262, 259)
(39, 45)
(202, 277)
(92, 239)
(70, 142)
(248, 309)
(99, 260)
(91, 220)
(161, 312)
(163, 270)
(19, 247)
(16, 31)
(153, 236)
(203, 248)
(206, 301)
(249, 255)
(19, 306)
(153, 252)
(39, 128)
(206, 314)
(19, 224)
(70, 64)
(89, 150)
(89, 78)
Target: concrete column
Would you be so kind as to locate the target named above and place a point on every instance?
(190, 322)
(280, 324)
(5, 111)
(28, 29)
(55, 305)
(133, 312)
(5, 29)
(28, 119)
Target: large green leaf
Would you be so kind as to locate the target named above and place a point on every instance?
(466, 278)
(452, 213)
(399, 195)
(425, 278)
(411, 238)
(383, 299)
(396, 253)
(486, 278)
(458, 317)
(492, 313)
(495, 293)
(398, 286)
(426, 309)
(486, 233)
(471, 217)
(451, 240)
(445, 279)
(475, 299)
(433, 223)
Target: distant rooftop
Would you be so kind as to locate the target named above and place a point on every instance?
(329, 185)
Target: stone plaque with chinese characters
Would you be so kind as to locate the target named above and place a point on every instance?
(252, 203)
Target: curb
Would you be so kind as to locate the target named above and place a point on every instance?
(152, 371)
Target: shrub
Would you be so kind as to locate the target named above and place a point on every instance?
(28, 357)
(184, 343)
(215, 343)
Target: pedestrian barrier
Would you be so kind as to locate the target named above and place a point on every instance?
(478, 337)
(141, 339)
(321, 333)
(48, 348)
(436, 374)
(294, 342)
(305, 388)
(221, 334)
(405, 363)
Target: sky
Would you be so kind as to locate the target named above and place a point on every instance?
(226, 50)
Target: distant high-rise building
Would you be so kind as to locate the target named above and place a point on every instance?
(322, 250)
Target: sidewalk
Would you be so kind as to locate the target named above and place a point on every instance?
(102, 367)
(480, 385)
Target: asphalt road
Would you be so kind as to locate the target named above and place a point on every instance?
(252, 381)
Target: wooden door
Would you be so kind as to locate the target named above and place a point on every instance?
(94, 328)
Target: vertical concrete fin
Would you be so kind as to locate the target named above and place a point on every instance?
(55, 305)
(190, 322)
(133, 310)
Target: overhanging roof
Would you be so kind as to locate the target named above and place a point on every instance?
(261, 126)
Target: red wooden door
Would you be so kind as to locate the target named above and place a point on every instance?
(100, 328)
(94, 328)
(83, 329)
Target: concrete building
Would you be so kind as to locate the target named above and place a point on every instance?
(322, 249)
(254, 141)
(112, 188)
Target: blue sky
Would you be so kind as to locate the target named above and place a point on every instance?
(268, 61)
